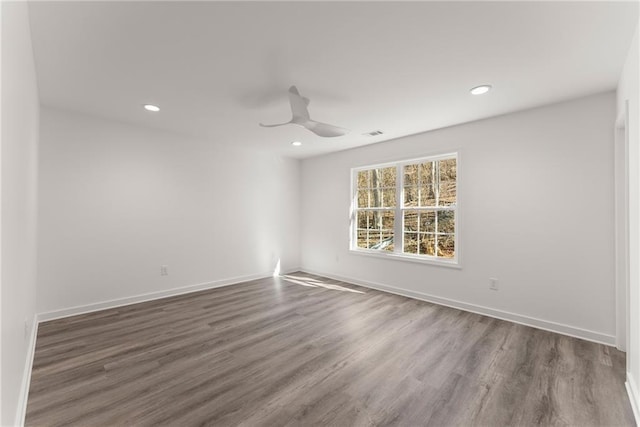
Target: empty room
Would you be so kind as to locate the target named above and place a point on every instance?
(320, 213)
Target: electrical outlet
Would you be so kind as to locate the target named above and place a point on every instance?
(493, 284)
(164, 270)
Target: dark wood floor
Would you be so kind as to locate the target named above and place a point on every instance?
(304, 350)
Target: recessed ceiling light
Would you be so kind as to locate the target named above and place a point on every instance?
(150, 107)
(479, 90)
(296, 143)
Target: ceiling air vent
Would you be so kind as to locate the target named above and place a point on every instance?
(373, 133)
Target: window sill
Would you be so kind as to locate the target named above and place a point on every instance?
(403, 257)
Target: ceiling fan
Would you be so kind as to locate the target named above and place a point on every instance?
(301, 117)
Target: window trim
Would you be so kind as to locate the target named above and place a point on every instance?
(398, 229)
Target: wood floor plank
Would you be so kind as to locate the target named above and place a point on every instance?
(305, 350)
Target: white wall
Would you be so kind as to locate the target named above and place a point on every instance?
(628, 92)
(118, 201)
(536, 209)
(19, 151)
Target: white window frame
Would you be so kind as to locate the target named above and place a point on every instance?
(398, 228)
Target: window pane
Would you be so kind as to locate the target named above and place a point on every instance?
(448, 170)
(374, 239)
(389, 197)
(410, 243)
(386, 244)
(427, 196)
(362, 239)
(387, 241)
(411, 196)
(363, 198)
(385, 177)
(374, 178)
(375, 220)
(411, 221)
(447, 196)
(428, 221)
(387, 220)
(375, 198)
(389, 177)
(362, 220)
(427, 244)
(446, 222)
(446, 246)
(363, 179)
(411, 175)
(427, 173)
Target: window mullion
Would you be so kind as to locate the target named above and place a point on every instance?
(398, 216)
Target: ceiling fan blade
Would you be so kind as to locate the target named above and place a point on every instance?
(274, 125)
(325, 130)
(298, 104)
(300, 117)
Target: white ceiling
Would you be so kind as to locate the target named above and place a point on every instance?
(217, 69)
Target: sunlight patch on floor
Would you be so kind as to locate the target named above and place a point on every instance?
(314, 283)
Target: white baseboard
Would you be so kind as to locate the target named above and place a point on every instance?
(546, 325)
(119, 302)
(632, 392)
(21, 411)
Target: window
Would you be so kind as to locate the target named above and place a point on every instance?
(376, 205)
(407, 209)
